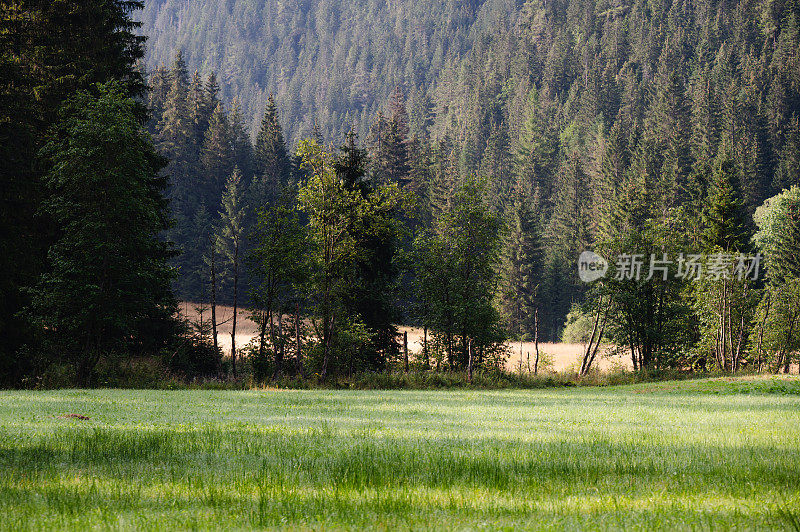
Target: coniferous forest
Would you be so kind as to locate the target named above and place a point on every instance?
(338, 169)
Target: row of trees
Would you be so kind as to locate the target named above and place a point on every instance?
(362, 238)
(643, 129)
(82, 206)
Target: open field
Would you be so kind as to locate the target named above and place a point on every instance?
(700, 455)
(562, 356)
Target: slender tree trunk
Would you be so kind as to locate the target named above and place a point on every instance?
(761, 332)
(587, 354)
(262, 335)
(299, 346)
(425, 354)
(235, 306)
(214, 333)
(737, 357)
(469, 360)
(279, 347)
(787, 349)
(450, 350)
(326, 347)
(405, 349)
(535, 341)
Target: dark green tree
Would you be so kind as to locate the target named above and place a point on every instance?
(48, 52)
(230, 246)
(216, 158)
(109, 279)
(272, 163)
(521, 269)
(277, 267)
(725, 220)
(373, 296)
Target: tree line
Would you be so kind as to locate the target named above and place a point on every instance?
(330, 248)
(635, 130)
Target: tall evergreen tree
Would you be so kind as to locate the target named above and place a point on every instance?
(725, 219)
(373, 295)
(240, 140)
(230, 245)
(48, 51)
(521, 268)
(109, 280)
(216, 158)
(272, 163)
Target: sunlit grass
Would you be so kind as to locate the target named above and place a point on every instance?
(691, 455)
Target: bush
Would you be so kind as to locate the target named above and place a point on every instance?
(117, 371)
(195, 358)
(579, 326)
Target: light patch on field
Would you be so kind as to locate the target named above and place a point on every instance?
(564, 357)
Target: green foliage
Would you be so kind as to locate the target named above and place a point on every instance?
(724, 220)
(352, 233)
(271, 161)
(278, 268)
(521, 270)
(455, 277)
(48, 52)
(777, 342)
(778, 235)
(580, 104)
(579, 326)
(108, 285)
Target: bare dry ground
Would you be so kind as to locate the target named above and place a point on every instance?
(246, 329)
(561, 356)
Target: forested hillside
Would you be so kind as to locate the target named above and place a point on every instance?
(565, 107)
(338, 168)
(328, 62)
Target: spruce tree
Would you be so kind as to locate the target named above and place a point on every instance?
(240, 140)
(272, 165)
(372, 296)
(176, 134)
(159, 82)
(109, 282)
(230, 246)
(216, 158)
(48, 52)
(521, 268)
(725, 224)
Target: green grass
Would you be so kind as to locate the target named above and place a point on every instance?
(716, 454)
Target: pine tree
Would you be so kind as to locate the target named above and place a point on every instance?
(240, 140)
(272, 165)
(159, 89)
(724, 219)
(175, 138)
(788, 171)
(109, 279)
(48, 52)
(785, 262)
(196, 102)
(372, 296)
(210, 98)
(231, 236)
(536, 156)
(216, 158)
(389, 143)
(521, 268)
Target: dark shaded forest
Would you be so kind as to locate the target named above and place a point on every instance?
(339, 168)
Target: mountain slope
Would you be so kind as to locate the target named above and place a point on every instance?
(332, 61)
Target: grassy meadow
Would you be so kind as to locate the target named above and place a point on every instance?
(697, 455)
